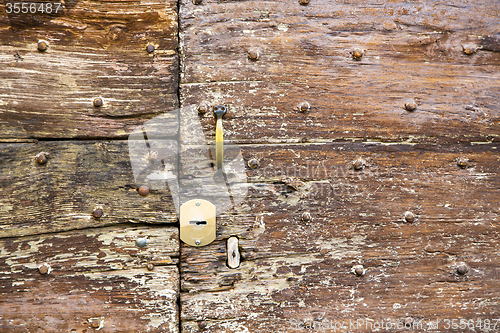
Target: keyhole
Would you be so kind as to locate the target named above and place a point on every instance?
(198, 222)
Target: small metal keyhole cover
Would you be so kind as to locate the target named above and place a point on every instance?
(197, 222)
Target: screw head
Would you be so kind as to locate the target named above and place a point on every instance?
(462, 162)
(202, 325)
(198, 203)
(253, 54)
(43, 269)
(143, 190)
(462, 268)
(410, 105)
(303, 2)
(197, 242)
(304, 107)
(197, 2)
(152, 156)
(97, 213)
(306, 217)
(253, 163)
(359, 164)
(357, 54)
(141, 242)
(41, 158)
(150, 48)
(42, 46)
(150, 267)
(98, 102)
(358, 270)
(409, 217)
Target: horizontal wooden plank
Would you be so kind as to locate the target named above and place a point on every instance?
(311, 217)
(113, 301)
(78, 178)
(412, 51)
(96, 50)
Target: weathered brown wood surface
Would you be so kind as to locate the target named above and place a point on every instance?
(311, 218)
(95, 275)
(96, 49)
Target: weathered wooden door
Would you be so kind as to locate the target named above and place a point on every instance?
(370, 130)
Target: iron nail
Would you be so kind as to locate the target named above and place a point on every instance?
(202, 108)
(410, 105)
(150, 267)
(97, 213)
(253, 54)
(150, 48)
(98, 102)
(141, 242)
(42, 46)
(304, 107)
(359, 164)
(202, 325)
(253, 163)
(409, 217)
(462, 162)
(359, 270)
(357, 54)
(462, 269)
(306, 217)
(143, 190)
(41, 158)
(44, 269)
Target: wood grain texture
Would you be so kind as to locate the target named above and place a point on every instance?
(78, 177)
(413, 50)
(295, 272)
(95, 275)
(96, 49)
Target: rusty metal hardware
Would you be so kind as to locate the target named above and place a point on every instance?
(197, 222)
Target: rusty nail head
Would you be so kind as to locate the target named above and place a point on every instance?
(41, 158)
(98, 102)
(303, 2)
(304, 107)
(143, 190)
(306, 217)
(462, 269)
(253, 163)
(409, 217)
(42, 46)
(357, 53)
(323, 251)
(35, 141)
(97, 213)
(253, 54)
(150, 267)
(43, 269)
(469, 49)
(359, 164)
(202, 325)
(95, 323)
(150, 48)
(202, 108)
(197, 2)
(410, 105)
(462, 162)
(303, 140)
(359, 270)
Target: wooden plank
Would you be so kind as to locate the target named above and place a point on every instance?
(297, 269)
(413, 50)
(77, 178)
(96, 49)
(97, 280)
